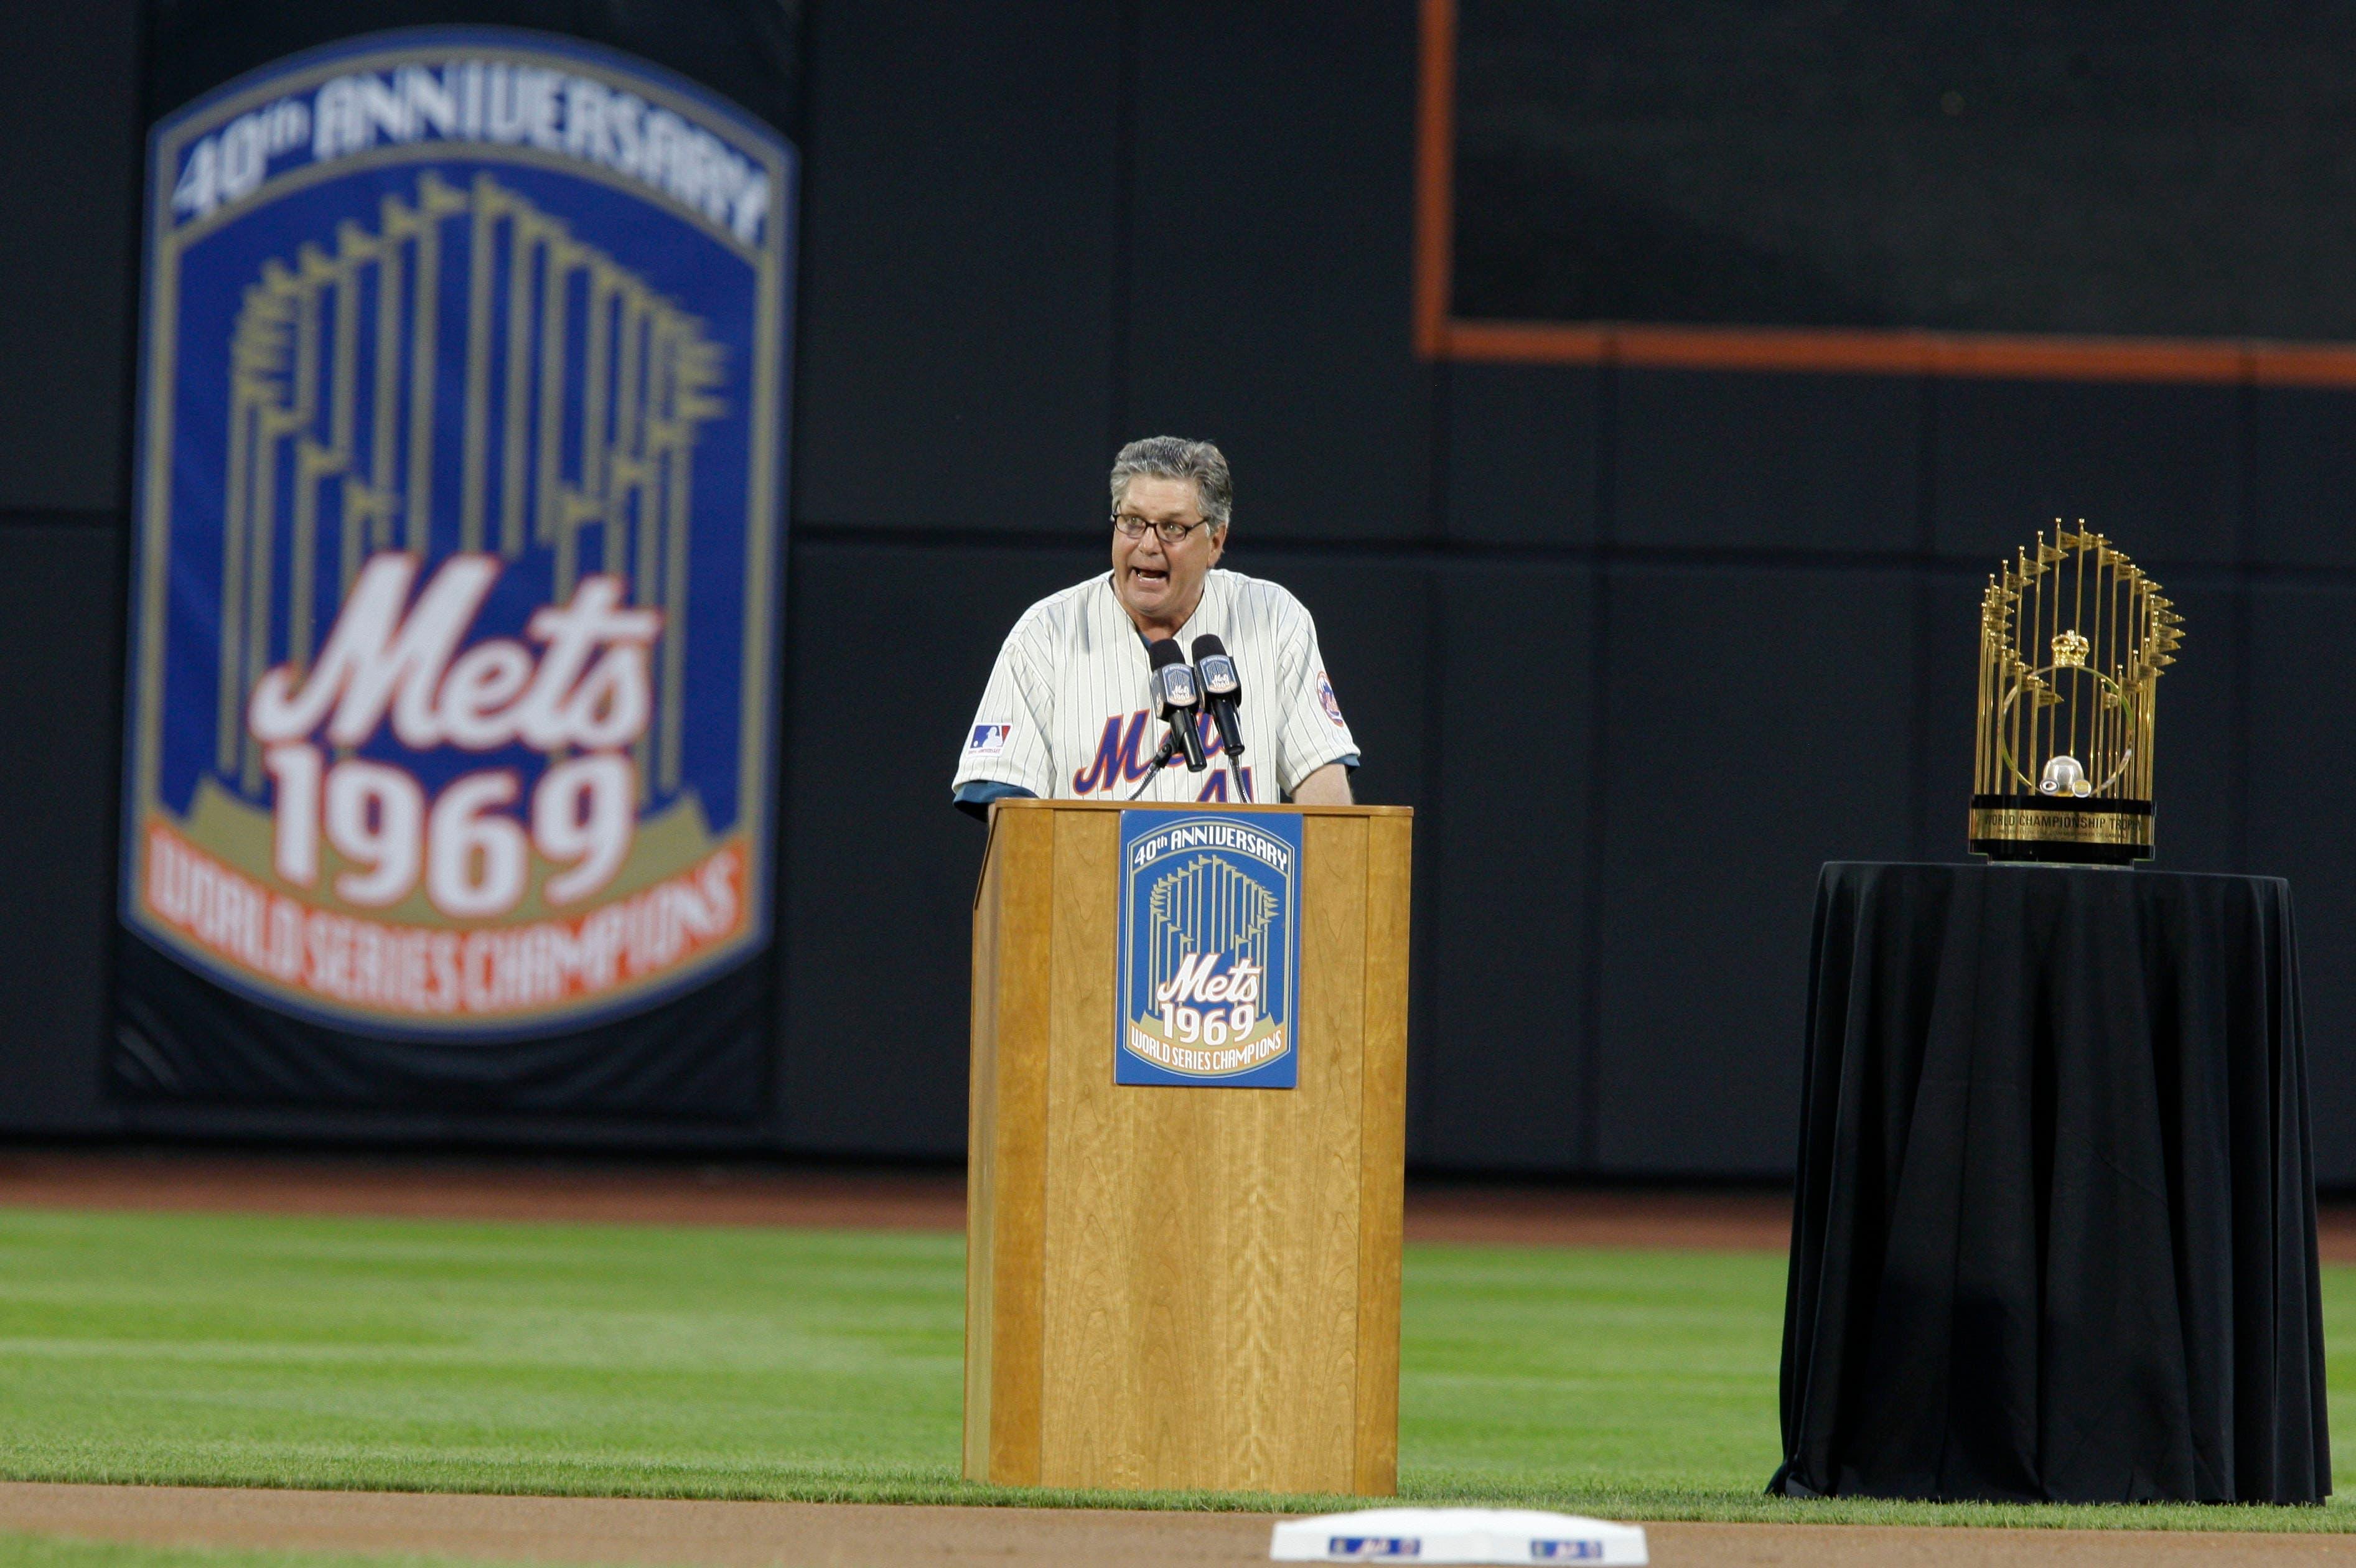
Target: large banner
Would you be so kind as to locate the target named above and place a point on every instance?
(460, 489)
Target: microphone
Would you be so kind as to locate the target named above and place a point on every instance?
(1223, 691)
(1177, 698)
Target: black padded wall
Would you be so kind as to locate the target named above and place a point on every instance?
(69, 84)
(960, 264)
(1643, 648)
(61, 626)
(70, 106)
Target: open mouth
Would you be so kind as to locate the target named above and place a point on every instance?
(1146, 576)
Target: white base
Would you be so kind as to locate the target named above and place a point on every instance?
(1457, 1535)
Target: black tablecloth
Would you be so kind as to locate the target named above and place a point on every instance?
(2054, 1236)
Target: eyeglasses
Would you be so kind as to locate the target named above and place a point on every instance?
(1130, 526)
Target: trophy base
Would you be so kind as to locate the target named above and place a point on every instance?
(2028, 827)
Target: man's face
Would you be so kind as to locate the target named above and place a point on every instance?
(1160, 582)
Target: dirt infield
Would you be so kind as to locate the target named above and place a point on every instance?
(855, 1535)
(859, 1197)
(758, 1195)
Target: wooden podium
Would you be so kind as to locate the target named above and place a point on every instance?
(1191, 1286)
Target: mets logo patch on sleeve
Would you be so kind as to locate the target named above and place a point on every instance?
(1210, 949)
(988, 740)
(459, 514)
(1326, 700)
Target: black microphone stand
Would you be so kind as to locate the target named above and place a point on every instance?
(1169, 754)
(1163, 758)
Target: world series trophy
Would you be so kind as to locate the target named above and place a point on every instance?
(2072, 639)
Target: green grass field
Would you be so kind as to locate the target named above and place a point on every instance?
(265, 1351)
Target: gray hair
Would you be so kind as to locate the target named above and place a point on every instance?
(1175, 457)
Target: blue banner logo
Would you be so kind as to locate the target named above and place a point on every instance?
(1210, 948)
(460, 528)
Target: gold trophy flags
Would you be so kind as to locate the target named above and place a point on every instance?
(2073, 637)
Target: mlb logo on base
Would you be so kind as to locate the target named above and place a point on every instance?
(1459, 1535)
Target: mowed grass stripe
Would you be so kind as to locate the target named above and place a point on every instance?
(643, 1361)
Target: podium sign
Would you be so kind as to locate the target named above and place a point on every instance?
(1210, 950)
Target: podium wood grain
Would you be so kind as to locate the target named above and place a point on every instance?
(1182, 1287)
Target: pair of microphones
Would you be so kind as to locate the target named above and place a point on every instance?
(1182, 691)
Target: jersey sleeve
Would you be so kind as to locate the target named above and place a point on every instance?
(1007, 743)
(1311, 731)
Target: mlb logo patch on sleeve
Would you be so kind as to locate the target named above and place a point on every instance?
(988, 740)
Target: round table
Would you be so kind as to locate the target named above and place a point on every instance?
(2054, 1232)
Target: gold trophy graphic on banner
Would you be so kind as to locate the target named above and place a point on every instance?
(2072, 638)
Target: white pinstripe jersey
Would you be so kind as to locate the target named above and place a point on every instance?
(1067, 716)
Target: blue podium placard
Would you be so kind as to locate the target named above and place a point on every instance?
(1210, 949)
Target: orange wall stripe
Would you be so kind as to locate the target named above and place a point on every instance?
(2302, 364)
(2217, 361)
(1435, 172)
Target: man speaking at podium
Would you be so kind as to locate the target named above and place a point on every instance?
(1077, 705)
